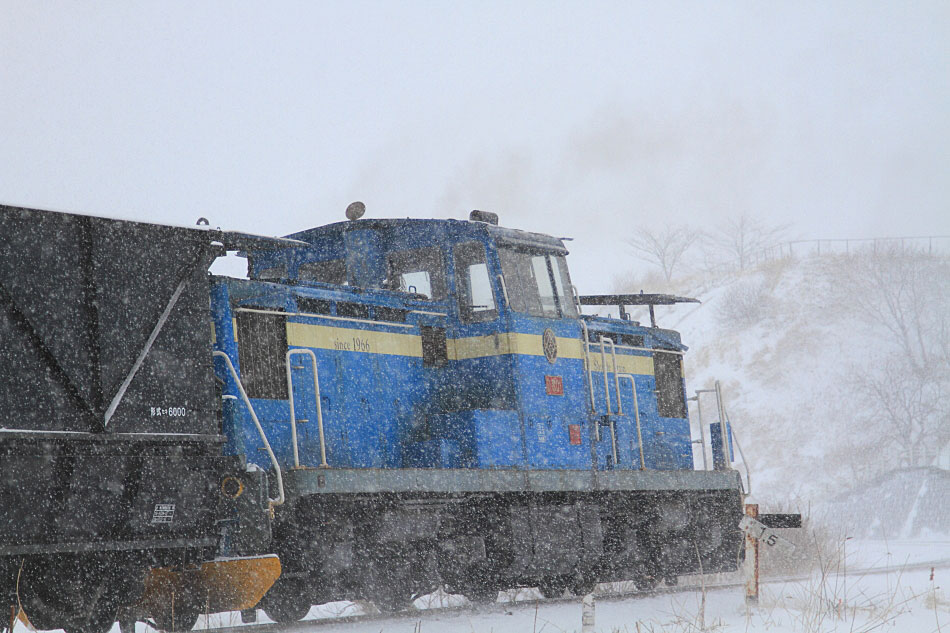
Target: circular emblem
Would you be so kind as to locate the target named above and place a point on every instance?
(549, 345)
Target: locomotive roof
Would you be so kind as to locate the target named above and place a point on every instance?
(445, 227)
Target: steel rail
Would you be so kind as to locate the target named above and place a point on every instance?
(303, 626)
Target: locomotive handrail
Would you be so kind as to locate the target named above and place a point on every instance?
(504, 290)
(603, 368)
(724, 426)
(726, 453)
(613, 357)
(603, 365)
(590, 380)
(636, 411)
(293, 414)
(271, 503)
(748, 472)
(702, 433)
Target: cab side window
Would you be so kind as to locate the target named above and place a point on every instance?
(473, 283)
(329, 272)
(670, 395)
(419, 271)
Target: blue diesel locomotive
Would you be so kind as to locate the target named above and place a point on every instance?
(431, 407)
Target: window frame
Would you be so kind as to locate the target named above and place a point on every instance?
(463, 282)
(325, 262)
(395, 271)
(519, 285)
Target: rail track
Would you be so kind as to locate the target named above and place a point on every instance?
(305, 626)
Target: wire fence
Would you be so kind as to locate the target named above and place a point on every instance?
(930, 244)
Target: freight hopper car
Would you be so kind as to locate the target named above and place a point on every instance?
(111, 450)
(440, 412)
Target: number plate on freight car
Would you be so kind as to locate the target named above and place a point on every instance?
(163, 513)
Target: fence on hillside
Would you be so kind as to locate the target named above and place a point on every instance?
(931, 244)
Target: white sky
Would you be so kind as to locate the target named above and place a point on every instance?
(575, 119)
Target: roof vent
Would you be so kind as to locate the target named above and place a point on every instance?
(483, 216)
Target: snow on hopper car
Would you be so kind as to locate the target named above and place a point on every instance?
(110, 441)
(441, 413)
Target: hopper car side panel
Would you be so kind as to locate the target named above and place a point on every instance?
(110, 440)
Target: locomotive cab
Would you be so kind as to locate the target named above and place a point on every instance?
(512, 375)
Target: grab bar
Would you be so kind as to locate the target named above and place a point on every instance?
(271, 503)
(293, 414)
(603, 367)
(636, 411)
(590, 380)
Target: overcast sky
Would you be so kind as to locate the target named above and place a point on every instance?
(575, 119)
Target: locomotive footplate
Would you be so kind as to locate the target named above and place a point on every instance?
(304, 482)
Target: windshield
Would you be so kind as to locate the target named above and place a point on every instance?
(537, 283)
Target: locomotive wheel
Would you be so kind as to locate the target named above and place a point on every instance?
(126, 625)
(478, 585)
(582, 584)
(482, 594)
(184, 619)
(182, 615)
(390, 592)
(389, 580)
(286, 605)
(646, 582)
(553, 587)
(99, 620)
(51, 603)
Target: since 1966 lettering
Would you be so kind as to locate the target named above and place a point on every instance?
(356, 344)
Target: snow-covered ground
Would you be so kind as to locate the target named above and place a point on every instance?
(905, 599)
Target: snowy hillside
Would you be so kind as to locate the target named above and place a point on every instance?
(834, 368)
(910, 503)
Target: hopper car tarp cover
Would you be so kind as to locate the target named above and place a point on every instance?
(80, 298)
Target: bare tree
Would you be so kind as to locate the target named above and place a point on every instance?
(742, 237)
(665, 247)
(909, 412)
(907, 292)
(905, 295)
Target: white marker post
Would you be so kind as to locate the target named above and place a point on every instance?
(751, 557)
(756, 531)
(587, 615)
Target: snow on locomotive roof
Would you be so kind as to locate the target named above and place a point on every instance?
(506, 235)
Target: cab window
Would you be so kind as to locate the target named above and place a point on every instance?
(329, 272)
(473, 283)
(274, 273)
(418, 271)
(537, 282)
(562, 283)
(670, 396)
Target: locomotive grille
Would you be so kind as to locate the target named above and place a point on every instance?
(262, 342)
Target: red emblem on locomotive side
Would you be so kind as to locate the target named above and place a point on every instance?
(554, 385)
(575, 433)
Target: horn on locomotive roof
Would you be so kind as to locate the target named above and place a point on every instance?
(355, 210)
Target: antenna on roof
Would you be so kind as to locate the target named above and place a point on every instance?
(355, 210)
